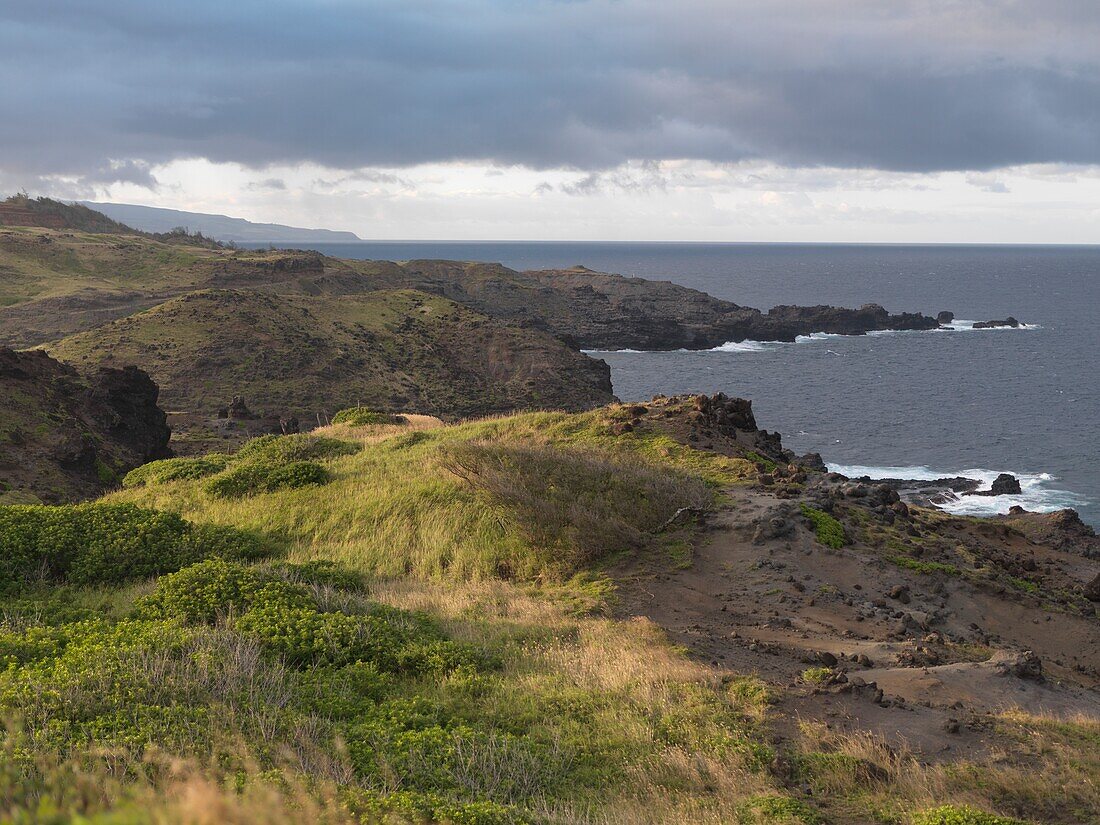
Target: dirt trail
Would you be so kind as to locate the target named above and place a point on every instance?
(920, 659)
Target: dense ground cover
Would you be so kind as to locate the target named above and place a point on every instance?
(424, 633)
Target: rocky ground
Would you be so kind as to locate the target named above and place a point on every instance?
(64, 436)
(914, 625)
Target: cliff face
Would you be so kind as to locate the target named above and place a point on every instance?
(65, 437)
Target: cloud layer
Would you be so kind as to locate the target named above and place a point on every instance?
(104, 91)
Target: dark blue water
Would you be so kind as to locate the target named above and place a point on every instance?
(1021, 401)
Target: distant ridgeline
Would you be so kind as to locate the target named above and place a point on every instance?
(20, 210)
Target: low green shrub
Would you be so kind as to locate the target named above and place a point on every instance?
(411, 806)
(304, 636)
(361, 416)
(319, 573)
(961, 815)
(261, 477)
(817, 675)
(925, 567)
(453, 759)
(173, 469)
(284, 449)
(102, 543)
(778, 809)
(204, 591)
(828, 530)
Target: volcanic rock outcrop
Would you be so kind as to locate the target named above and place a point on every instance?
(65, 437)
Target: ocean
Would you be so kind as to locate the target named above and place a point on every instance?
(909, 404)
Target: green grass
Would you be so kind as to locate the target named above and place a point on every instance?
(828, 530)
(962, 815)
(924, 567)
(435, 644)
(473, 501)
(817, 675)
(362, 417)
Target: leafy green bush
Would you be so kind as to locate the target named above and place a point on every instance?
(961, 815)
(304, 636)
(828, 530)
(102, 543)
(361, 416)
(253, 478)
(284, 449)
(772, 808)
(319, 573)
(172, 469)
(451, 759)
(204, 591)
(817, 675)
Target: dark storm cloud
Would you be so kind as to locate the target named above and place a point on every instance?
(917, 86)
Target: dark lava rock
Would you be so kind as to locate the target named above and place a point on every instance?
(1006, 484)
(237, 410)
(1062, 530)
(945, 317)
(1092, 589)
(899, 592)
(596, 310)
(813, 461)
(1025, 665)
(1006, 322)
(64, 436)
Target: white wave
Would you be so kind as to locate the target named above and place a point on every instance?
(742, 346)
(960, 325)
(957, 325)
(1036, 493)
(818, 336)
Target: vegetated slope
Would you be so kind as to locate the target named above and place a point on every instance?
(56, 283)
(304, 355)
(597, 310)
(53, 284)
(20, 210)
(64, 437)
(855, 660)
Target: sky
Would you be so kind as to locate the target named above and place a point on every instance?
(719, 120)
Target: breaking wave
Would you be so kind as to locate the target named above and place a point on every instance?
(957, 325)
(1037, 493)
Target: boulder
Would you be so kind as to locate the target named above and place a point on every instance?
(1092, 589)
(1024, 665)
(1006, 484)
(945, 317)
(237, 409)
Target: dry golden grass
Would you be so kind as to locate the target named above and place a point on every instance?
(1046, 769)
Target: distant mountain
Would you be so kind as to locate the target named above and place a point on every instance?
(218, 227)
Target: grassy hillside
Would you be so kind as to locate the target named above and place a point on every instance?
(430, 639)
(40, 263)
(304, 355)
